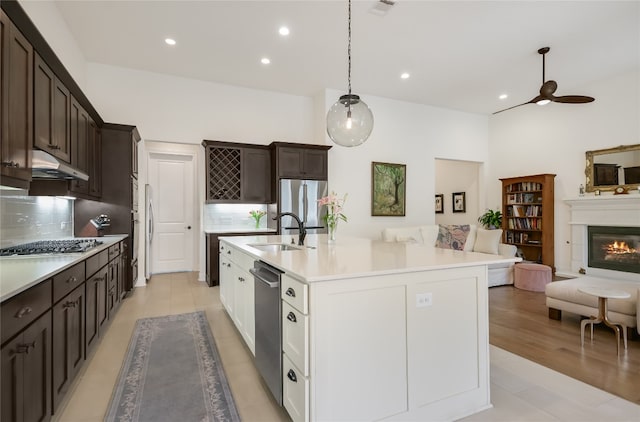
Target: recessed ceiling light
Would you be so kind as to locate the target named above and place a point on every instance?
(265, 60)
(170, 41)
(405, 75)
(284, 31)
(503, 96)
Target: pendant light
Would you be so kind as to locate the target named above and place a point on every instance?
(349, 120)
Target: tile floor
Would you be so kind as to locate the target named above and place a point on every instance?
(520, 389)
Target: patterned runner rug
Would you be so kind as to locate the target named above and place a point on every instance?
(172, 372)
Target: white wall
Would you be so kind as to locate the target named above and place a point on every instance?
(173, 109)
(458, 176)
(403, 133)
(54, 29)
(554, 138)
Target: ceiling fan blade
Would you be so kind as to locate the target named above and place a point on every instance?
(535, 100)
(573, 99)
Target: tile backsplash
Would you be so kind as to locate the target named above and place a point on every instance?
(29, 218)
(236, 217)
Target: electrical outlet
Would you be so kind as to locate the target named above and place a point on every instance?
(424, 300)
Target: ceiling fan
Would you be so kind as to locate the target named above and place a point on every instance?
(548, 88)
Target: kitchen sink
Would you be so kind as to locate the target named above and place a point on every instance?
(275, 247)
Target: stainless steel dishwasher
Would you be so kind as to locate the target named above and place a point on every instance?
(268, 326)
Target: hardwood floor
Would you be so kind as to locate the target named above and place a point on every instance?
(518, 323)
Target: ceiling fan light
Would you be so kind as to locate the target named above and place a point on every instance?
(543, 102)
(349, 121)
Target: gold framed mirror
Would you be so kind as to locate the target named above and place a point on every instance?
(612, 167)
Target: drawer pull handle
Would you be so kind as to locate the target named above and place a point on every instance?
(72, 279)
(24, 348)
(292, 375)
(71, 304)
(99, 278)
(290, 292)
(229, 252)
(291, 317)
(24, 311)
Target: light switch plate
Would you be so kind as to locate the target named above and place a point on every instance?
(424, 300)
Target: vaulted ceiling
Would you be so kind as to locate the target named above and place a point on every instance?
(460, 54)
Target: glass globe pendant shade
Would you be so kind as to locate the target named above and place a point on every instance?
(349, 121)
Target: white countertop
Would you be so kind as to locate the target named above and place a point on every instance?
(18, 273)
(351, 257)
(218, 230)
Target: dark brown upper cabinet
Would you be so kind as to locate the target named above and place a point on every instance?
(16, 103)
(95, 160)
(52, 108)
(79, 145)
(238, 172)
(300, 161)
(256, 175)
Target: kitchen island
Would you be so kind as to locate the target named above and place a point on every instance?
(374, 330)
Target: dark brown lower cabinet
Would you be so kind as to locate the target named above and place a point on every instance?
(112, 286)
(96, 312)
(122, 274)
(68, 342)
(26, 374)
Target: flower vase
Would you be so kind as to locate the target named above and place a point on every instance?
(257, 224)
(333, 228)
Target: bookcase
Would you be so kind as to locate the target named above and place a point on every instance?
(527, 222)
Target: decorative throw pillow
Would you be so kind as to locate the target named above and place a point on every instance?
(452, 236)
(487, 241)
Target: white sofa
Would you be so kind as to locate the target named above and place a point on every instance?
(563, 295)
(499, 274)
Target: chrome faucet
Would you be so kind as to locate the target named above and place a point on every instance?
(301, 229)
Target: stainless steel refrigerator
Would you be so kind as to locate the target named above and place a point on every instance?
(301, 198)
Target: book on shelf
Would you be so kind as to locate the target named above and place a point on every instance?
(519, 211)
(524, 187)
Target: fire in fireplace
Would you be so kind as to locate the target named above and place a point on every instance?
(614, 248)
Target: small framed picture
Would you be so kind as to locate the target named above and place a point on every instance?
(439, 203)
(459, 203)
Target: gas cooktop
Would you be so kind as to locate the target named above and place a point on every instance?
(51, 247)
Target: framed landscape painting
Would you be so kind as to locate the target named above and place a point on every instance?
(388, 189)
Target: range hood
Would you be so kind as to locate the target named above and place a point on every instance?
(46, 166)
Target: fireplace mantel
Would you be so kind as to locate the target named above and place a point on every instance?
(605, 210)
(609, 210)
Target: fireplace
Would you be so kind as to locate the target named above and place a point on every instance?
(614, 248)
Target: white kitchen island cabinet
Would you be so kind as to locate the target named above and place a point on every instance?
(395, 331)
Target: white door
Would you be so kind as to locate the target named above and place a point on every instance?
(173, 183)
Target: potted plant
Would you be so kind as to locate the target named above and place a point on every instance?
(491, 219)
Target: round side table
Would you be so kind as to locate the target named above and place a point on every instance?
(603, 294)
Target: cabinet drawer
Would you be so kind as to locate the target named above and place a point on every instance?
(21, 310)
(96, 262)
(236, 256)
(114, 251)
(295, 293)
(295, 337)
(67, 280)
(295, 391)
